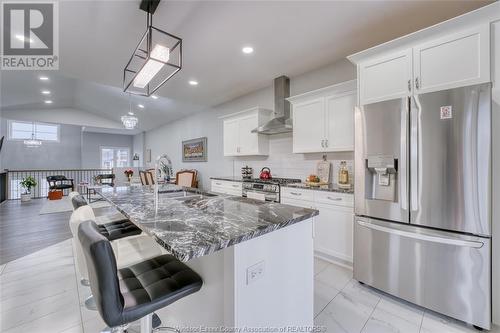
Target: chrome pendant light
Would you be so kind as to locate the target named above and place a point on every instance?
(129, 120)
(157, 57)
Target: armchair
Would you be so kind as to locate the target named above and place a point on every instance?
(106, 179)
(59, 183)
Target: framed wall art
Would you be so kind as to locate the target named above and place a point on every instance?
(194, 150)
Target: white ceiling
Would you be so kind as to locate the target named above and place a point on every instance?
(289, 37)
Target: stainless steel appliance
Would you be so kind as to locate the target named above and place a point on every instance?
(423, 200)
(267, 189)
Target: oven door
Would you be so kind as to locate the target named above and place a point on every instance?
(261, 195)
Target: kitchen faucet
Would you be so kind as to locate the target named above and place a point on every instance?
(167, 168)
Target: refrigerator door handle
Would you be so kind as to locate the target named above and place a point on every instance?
(403, 188)
(414, 144)
(423, 237)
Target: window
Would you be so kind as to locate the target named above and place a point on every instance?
(114, 157)
(23, 130)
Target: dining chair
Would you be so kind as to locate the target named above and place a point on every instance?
(186, 178)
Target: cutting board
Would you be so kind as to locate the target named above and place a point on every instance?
(323, 171)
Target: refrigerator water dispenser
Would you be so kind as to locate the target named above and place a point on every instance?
(381, 178)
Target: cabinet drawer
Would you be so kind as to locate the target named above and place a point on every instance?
(297, 203)
(226, 187)
(334, 198)
(297, 194)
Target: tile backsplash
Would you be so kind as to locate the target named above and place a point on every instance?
(283, 163)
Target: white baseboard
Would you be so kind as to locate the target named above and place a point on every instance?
(333, 259)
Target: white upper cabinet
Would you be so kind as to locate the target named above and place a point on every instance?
(323, 120)
(452, 61)
(340, 122)
(249, 142)
(436, 62)
(231, 137)
(238, 137)
(308, 126)
(385, 78)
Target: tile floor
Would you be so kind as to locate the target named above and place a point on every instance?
(343, 305)
(40, 293)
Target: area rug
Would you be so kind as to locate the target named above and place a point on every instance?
(64, 205)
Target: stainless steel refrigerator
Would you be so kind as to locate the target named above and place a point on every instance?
(422, 229)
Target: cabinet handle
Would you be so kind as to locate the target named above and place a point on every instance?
(218, 184)
(334, 199)
(295, 193)
(409, 85)
(417, 84)
(234, 185)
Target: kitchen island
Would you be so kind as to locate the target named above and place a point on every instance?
(256, 258)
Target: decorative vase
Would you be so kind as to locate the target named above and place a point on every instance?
(25, 197)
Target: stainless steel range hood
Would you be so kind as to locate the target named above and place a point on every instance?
(281, 123)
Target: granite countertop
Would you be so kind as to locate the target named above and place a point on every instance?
(327, 188)
(191, 224)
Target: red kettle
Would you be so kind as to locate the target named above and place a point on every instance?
(265, 173)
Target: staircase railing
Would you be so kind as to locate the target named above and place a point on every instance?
(79, 176)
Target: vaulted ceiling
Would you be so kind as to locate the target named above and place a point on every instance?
(289, 37)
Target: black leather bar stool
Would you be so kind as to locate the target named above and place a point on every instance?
(111, 230)
(128, 294)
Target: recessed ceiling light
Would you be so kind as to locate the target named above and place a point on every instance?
(193, 83)
(131, 113)
(46, 92)
(22, 38)
(48, 102)
(247, 49)
(43, 78)
(154, 97)
(141, 106)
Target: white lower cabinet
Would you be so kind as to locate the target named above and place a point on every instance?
(334, 232)
(227, 187)
(333, 227)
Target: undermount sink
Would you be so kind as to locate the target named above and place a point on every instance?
(185, 195)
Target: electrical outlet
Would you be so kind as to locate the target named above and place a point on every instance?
(255, 272)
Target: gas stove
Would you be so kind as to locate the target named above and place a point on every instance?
(279, 181)
(266, 189)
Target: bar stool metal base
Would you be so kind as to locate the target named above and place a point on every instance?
(118, 329)
(90, 303)
(166, 329)
(151, 323)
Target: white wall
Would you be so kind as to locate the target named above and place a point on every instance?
(65, 154)
(138, 148)
(70, 116)
(92, 143)
(168, 138)
(75, 149)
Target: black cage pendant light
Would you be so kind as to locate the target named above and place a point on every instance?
(157, 57)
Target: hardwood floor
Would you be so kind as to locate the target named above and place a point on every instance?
(24, 231)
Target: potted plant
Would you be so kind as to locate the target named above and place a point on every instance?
(27, 184)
